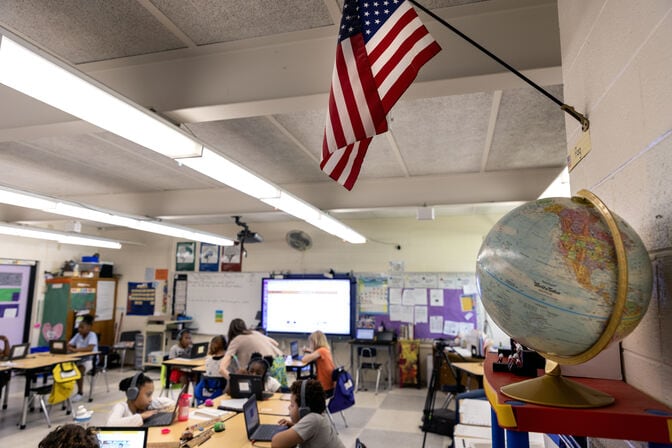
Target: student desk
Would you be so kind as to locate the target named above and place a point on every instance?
(473, 370)
(183, 363)
(277, 405)
(297, 367)
(633, 416)
(234, 436)
(32, 366)
(388, 345)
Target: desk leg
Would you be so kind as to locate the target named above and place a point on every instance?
(6, 389)
(352, 358)
(166, 381)
(121, 361)
(390, 355)
(517, 439)
(26, 399)
(497, 432)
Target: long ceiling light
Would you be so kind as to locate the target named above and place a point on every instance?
(81, 211)
(37, 74)
(55, 235)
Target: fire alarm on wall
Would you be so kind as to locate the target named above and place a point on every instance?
(425, 213)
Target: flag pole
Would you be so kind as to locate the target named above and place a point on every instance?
(585, 123)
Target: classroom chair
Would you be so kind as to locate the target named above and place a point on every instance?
(99, 368)
(367, 360)
(65, 374)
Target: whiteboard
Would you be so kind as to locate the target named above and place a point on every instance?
(235, 294)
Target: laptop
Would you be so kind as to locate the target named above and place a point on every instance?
(385, 336)
(126, 437)
(365, 334)
(19, 351)
(199, 350)
(243, 385)
(256, 431)
(165, 418)
(294, 351)
(58, 347)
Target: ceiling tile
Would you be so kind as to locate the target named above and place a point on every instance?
(89, 30)
(530, 131)
(212, 21)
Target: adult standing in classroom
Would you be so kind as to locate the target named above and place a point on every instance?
(242, 343)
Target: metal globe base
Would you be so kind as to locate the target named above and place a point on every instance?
(553, 389)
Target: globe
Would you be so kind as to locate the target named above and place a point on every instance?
(550, 276)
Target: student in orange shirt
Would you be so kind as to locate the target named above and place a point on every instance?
(318, 352)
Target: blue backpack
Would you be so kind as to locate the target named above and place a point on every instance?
(344, 392)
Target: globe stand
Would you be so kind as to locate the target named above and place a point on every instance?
(553, 389)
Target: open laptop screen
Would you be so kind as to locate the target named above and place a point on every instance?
(365, 334)
(126, 437)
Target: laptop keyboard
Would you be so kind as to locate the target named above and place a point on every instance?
(266, 432)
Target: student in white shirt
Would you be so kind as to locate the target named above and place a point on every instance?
(84, 341)
(260, 367)
(139, 404)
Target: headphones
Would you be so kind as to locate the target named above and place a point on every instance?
(303, 409)
(133, 391)
(181, 332)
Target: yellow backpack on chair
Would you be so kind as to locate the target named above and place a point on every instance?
(65, 375)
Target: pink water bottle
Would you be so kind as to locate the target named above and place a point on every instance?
(183, 411)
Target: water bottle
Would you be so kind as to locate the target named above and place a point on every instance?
(183, 409)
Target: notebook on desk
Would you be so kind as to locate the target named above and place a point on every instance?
(165, 418)
(255, 430)
(126, 437)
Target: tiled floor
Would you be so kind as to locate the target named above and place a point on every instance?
(389, 419)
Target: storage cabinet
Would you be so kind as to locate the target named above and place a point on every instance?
(158, 338)
(66, 296)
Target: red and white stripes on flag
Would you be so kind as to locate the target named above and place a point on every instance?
(381, 48)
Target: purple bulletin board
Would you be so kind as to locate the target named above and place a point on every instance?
(453, 310)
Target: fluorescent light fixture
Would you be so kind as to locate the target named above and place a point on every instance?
(44, 79)
(559, 188)
(42, 76)
(294, 206)
(89, 213)
(227, 172)
(55, 235)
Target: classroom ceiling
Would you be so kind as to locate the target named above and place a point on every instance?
(251, 78)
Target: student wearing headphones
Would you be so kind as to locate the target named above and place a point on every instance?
(308, 424)
(260, 367)
(139, 404)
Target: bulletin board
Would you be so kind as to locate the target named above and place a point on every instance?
(436, 304)
(214, 299)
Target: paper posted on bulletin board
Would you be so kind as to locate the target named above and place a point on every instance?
(372, 295)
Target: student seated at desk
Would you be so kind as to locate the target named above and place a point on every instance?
(212, 383)
(181, 350)
(84, 341)
(5, 375)
(260, 367)
(318, 352)
(139, 404)
(242, 343)
(308, 424)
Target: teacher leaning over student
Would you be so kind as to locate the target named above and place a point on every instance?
(242, 343)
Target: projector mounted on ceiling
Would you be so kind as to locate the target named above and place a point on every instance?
(246, 235)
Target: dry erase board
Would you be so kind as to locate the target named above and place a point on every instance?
(216, 298)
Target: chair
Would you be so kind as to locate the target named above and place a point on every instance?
(342, 396)
(165, 380)
(126, 342)
(64, 375)
(99, 367)
(367, 360)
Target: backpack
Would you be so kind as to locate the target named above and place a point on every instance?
(278, 370)
(344, 392)
(65, 376)
(209, 387)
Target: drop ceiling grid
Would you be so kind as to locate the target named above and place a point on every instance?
(89, 30)
(442, 135)
(530, 131)
(258, 145)
(212, 21)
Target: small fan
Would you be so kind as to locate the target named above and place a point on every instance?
(299, 240)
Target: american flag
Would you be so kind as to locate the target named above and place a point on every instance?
(381, 46)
